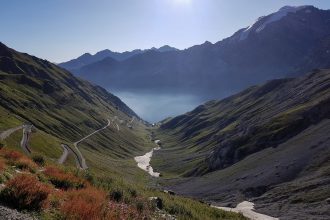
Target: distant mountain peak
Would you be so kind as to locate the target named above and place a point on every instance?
(104, 51)
(293, 8)
(166, 48)
(86, 55)
(207, 43)
(262, 22)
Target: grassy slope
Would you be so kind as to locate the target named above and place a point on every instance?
(8, 120)
(64, 109)
(183, 208)
(52, 99)
(40, 143)
(115, 152)
(221, 133)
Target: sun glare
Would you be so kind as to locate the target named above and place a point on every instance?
(182, 1)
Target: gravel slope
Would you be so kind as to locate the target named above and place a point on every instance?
(12, 214)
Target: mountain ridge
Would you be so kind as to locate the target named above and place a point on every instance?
(227, 66)
(88, 58)
(268, 144)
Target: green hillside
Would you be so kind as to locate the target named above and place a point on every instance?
(64, 109)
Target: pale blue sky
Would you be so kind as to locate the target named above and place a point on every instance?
(59, 30)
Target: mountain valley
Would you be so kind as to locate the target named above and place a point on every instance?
(265, 143)
(82, 140)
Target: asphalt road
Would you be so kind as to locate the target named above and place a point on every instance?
(27, 130)
(64, 155)
(83, 164)
(7, 133)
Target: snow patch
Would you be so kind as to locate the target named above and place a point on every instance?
(279, 15)
(246, 31)
(143, 162)
(247, 209)
(284, 11)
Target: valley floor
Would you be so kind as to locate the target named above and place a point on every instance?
(289, 181)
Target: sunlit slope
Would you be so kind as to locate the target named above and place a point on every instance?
(64, 109)
(52, 98)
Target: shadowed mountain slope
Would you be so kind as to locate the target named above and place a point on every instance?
(273, 139)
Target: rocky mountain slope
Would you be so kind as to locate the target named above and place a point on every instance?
(269, 143)
(278, 45)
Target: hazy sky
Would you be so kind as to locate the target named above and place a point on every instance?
(59, 30)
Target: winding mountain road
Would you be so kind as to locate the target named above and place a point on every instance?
(82, 160)
(65, 154)
(7, 133)
(27, 130)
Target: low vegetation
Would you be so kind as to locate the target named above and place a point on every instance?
(26, 192)
(39, 159)
(2, 144)
(26, 164)
(63, 180)
(54, 192)
(88, 203)
(19, 160)
(2, 166)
